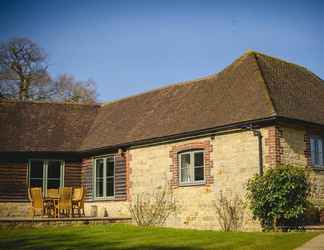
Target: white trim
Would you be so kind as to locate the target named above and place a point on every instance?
(191, 168)
(62, 173)
(316, 148)
(104, 179)
(45, 169)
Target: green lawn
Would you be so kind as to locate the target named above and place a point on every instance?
(118, 236)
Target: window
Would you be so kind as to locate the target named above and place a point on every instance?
(46, 174)
(104, 176)
(316, 143)
(191, 167)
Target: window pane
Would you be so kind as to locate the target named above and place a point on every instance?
(110, 164)
(36, 183)
(53, 183)
(99, 168)
(185, 167)
(199, 174)
(54, 169)
(99, 187)
(312, 143)
(320, 152)
(316, 151)
(185, 175)
(199, 159)
(36, 169)
(110, 186)
(185, 160)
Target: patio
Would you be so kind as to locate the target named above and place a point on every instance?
(20, 222)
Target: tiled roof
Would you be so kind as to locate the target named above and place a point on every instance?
(253, 87)
(28, 126)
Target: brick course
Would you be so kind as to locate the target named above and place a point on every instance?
(202, 145)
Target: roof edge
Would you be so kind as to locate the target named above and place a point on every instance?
(265, 83)
(48, 102)
(185, 135)
(262, 122)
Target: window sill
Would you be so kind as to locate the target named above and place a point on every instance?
(104, 198)
(202, 183)
(318, 168)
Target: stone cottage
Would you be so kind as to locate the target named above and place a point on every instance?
(200, 137)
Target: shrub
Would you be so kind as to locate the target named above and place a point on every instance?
(230, 212)
(279, 197)
(152, 209)
(311, 214)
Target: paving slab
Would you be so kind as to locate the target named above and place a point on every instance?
(316, 243)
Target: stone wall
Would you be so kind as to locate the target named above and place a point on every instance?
(294, 142)
(110, 208)
(234, 158)
(15, 209)
(231, 158)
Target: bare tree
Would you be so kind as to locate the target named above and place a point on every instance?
(153, 209)
(68, 89)
(24, 76)
(22, 63)
(230, 212)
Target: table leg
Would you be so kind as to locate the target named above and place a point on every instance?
(56, 212)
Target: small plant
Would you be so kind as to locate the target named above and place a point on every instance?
(279, 198)
(152, 209)
(230, 212)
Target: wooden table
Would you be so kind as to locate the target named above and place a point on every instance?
(55, 201)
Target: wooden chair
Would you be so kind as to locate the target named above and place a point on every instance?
(36, 198)
(53, 193)
(78, 200)
(65, 202)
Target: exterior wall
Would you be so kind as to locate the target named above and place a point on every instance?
(13, 181)
(296, 150)
(232, 159)
(116, 207)
(120, 177)
(15, 209)
(72, 174)
(14, 186)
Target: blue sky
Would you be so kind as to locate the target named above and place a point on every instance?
(129, 47)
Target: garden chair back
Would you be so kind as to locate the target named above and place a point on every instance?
(65, 202)
(53, 193)
(78, 200)
(36, 197)
(77, 194)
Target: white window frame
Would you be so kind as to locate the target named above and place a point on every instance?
(45, 172)
(191, 168)
(317, 150)
(104, 158)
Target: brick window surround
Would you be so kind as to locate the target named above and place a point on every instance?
(206, 146)
(307, 151)
(275, 151)
(307, 139)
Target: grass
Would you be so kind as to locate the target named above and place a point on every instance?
(119, 236)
